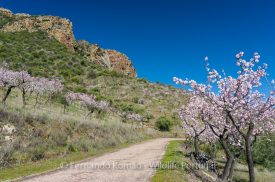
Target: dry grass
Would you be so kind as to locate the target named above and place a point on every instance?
(262, 174)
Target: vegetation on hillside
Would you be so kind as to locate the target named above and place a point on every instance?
(42, 56)
(4, 19)
(46, 126)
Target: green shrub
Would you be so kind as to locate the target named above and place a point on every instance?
(6, 155)
(37, 153)
(110, 73)
(135, 100)
(127, 107)
(143, 80)
(72, 148)
(76, 80)
(92, 74)
(148, 117)
(163, 124)
(84, 144)
(80, 89)
(210, 149)
(60, 138)
(94, 91)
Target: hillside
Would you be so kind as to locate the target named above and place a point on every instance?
(61, 30)
(41, 54)
(48, 128)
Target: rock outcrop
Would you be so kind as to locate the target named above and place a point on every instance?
(6, 12)
(111, 59)
(120, 63)
(61, 30)
(92, 52)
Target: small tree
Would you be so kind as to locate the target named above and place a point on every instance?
(88, 101)
(43, 87)
(203, 121)
(13, 79)
(193, 118)
(135, 117)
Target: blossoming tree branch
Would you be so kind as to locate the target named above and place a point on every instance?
(237, 113)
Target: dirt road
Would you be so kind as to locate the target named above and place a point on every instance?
(133, 164)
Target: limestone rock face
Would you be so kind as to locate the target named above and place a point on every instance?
(6, 12)
(111, 59)
(61, 30)
(120, 63)
(92, 52)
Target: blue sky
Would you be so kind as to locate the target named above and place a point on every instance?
(166, 38)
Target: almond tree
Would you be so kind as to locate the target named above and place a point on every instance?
(43, 87)
(193, 123)
(13, 79)
(202, 120)
(227, 136)
(23, 81)
(135, 117)
(250, 112)
(88, 101)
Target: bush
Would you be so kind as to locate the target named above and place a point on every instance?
(126, 107)
(148, 117)
(84, 144)
(6, 155)
(60, 138)
(72, 148)
(110, 73)
(210, 149)
(76, 80)
(80, 89)
(163, 124)
(37, 153)
(143, 80)
(91, 74)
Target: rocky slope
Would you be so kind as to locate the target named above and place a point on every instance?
(61, 30)
(110, 59)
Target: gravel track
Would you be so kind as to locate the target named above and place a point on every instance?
(133, 164)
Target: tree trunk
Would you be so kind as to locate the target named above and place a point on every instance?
(24, 97)
(230, 160)
(36, 100)
(7, 95)
(196, 145)
(64, 108)
(230, 177)
(249, 158)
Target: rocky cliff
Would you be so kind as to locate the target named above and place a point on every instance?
(120, 63)
(111, 59)
(61, 30)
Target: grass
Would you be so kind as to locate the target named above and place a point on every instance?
(46, 57)
(45, 137)
(262, 174)
(54, 163)
(174, 157)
